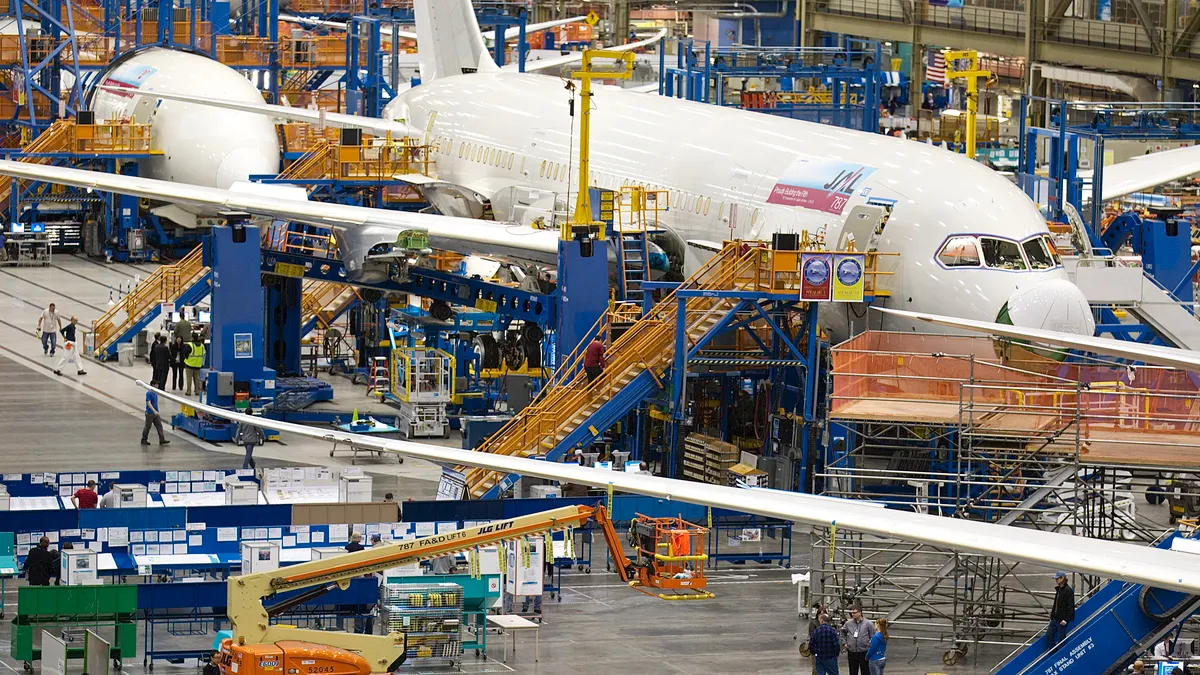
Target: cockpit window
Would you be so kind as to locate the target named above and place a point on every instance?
(960, 252)
(1001, 254)
(1035, 251)
(1049, 241)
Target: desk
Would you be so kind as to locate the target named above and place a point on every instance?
(376, 427)
(36, 504)
(308, 495)
(200, 499)
(511, 623)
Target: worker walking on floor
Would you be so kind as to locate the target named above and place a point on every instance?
(1062, 612)
(825, 647)
(194, 362)
(41, 564)
(153, 419)
(593, 359)
(48, 325)
(857, 633)
(74, 353)
(249, 436)
(877, 652)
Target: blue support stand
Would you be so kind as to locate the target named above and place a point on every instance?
(237, 318)
(583, 289)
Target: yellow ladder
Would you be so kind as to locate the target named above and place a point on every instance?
(648, 345)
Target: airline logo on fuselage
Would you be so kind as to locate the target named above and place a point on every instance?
(822, 185)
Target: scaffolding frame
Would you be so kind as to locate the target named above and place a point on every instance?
(952, 426)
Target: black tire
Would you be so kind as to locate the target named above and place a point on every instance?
(514, 357)
(489, 352)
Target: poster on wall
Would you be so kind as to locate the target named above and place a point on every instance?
(825, 186)
(848, 272)
(816, 272)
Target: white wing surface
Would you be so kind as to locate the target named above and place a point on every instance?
(1113, 560)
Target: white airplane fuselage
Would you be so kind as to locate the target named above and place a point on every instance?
(200, 145)
(497, 130)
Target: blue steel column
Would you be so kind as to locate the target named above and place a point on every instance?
(281, 332)
(679, 369)
(583, 292)
(235, 312)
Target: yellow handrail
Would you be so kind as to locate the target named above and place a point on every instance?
(648, 345)
(165, 284)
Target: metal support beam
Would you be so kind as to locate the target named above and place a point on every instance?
(1011, 517)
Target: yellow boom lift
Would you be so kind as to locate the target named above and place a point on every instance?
(259, 647)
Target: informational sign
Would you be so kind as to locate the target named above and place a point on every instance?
(523, 573)
(848, 272)
(592, 18)
(816, 276)
(821, 185)
(243, 345)
(452, 485)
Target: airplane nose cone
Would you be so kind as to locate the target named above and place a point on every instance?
(242, 163)
(1052, 304)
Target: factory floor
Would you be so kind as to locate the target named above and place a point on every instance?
(92, 422)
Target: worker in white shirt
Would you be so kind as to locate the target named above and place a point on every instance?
(1170, 648)
(109, 499)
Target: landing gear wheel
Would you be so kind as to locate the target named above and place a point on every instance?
(514, 356)
(489, 353)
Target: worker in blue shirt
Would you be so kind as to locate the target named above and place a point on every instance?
(825, 647)
(153, 419)
(877, 652)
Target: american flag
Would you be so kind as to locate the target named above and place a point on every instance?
(935, 67)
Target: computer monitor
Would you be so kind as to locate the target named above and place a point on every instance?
(1167, 667)
(205, 317)
(18, 228)
(175, 317)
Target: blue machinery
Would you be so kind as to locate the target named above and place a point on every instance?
(839, 86)
(1161, 237)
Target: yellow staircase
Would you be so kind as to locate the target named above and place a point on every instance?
(323, 300)
(649, 344)
(165, 284)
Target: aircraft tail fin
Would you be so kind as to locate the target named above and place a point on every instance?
(449, 41)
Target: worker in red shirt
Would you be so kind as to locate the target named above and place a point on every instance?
(86, 497)
(593, 359)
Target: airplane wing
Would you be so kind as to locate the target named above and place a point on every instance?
(512, 32)
(576, 57)
(372, 125)
(464, 235)
(1111, 560)
(1184, 359)
(1147, 171)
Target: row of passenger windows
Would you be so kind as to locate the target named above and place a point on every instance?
(557, 171)
(1005, 254)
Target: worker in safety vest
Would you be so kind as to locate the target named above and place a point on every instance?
(193, 363)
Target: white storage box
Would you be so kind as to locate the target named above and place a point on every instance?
(544, 491)
(326, 552)
(79, 567)
(130, 496)
(354, 489)
(4, 501)
(241, 492)
(259, 556)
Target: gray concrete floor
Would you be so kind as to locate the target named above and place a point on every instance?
(50, 423)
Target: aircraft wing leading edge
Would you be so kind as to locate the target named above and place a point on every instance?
(372, 125)
(1112, 560)
(1170, 357)
(1147, 171)
(464, 235)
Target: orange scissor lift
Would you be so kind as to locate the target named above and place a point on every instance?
(668, 558)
